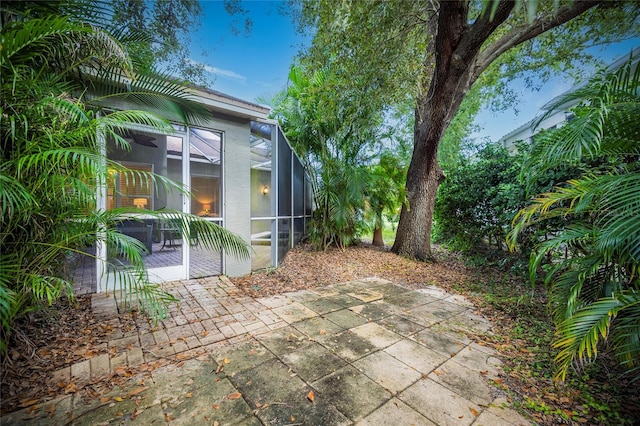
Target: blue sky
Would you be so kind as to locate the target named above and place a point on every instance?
(247, 66)
(257, 65)
(495, 125)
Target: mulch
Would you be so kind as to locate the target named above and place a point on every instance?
(305, 268)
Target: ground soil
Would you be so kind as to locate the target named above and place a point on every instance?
(46, 342)
(305, 268)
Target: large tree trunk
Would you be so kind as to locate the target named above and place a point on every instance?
(456, 47)
(377, 237)
(414, 229)
(458, 64)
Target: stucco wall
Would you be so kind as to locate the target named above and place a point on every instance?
(237, 185)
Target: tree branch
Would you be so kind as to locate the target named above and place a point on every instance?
(527, 32)
(484, 25)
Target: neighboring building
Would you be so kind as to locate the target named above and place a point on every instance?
(527, 132)
(242, 174)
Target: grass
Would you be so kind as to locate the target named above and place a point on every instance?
(388, 233)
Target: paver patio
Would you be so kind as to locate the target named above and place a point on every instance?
(366, 352)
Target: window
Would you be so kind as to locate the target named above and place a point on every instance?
(130, 189)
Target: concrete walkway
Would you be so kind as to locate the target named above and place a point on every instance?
(366, 352)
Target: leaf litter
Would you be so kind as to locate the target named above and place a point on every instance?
(71, 333)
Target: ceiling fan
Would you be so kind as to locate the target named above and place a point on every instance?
(140, 139)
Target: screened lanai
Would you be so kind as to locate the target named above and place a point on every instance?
(281, 199)
(241, 173)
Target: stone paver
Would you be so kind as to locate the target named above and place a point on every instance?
(387, 371)
(366, 352)
(394, 413)
(416, 356)
(351, 392)
(439, 404)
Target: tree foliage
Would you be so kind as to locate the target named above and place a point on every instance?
(56, 69)
(594, 289)
(337, 144)
(479, 199)
(332, 146)
(434, 53)
(484, 191)
(170, 23)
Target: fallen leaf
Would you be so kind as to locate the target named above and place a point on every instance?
(105, 399)
(215, 406)
(189, 394)
(474, 411)
(234, 395)
(220, 368)
(204, 333)
(33, 408)
(216, 423)
(138, 390)
(322, 332)
(226, 361)
(311, 396)
(484, 373)
(293, 419)
(117, 398)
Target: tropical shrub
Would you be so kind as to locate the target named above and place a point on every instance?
(333, 144)
(478, 200)
(593, 288)
(55, 69)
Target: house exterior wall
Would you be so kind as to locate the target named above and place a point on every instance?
(237, 188)
(562, 113)
(526, 132)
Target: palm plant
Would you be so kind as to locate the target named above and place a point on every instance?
(385, 192)
(332, 141)
(56, 69)
(594, 292)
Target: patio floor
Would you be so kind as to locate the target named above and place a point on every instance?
(367, 352)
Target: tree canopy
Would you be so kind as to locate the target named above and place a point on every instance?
(435, 54)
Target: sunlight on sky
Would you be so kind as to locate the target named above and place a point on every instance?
(247, 66)
(256, 65)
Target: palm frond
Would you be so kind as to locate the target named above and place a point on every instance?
(578, 336)
(597, 281)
